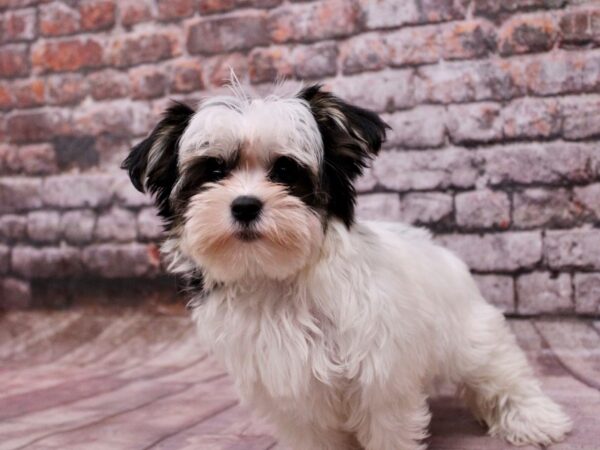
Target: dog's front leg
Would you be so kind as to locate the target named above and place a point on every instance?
(395, 423)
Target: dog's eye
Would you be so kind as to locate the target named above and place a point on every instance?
(216, 169)
(285, 170)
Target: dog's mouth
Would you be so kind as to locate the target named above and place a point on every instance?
(247, 235)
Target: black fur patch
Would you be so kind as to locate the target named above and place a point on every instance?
(161, 177)
(297, 179)
(348, 147)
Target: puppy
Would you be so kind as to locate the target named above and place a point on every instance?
(332, 328)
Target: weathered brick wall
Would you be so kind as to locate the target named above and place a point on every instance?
(494, 107)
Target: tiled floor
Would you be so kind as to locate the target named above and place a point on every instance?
(93, 379)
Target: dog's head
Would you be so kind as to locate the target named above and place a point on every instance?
(248, 186)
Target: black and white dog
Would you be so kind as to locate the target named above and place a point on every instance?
(332, 329)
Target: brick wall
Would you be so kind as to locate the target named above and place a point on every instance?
(494, 107)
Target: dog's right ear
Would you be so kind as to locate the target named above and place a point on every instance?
(152, 164)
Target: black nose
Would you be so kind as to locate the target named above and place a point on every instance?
(245, 209)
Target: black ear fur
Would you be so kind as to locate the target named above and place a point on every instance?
(352, 136)
(160, 176)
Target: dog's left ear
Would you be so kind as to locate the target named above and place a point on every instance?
(152, 164)
(352, 136)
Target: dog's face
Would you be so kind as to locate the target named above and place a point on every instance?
(247, 186)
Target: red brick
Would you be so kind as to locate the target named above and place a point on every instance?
(213, 6)
(46, 262)
(414, 45)
(482, 209)
(67, 55)
(14, 61)
(573, 248)
(315, 21)
(135, 11)
(58, 19)
(542, 293)
(35, 159)
(588, 198)
(109, 84)
(68, 89)
(474, 123)
(379, 206)
(495, 9)
(118, 119)
(18, 25)
(267, 64)
(38, 126)
(468, 39)
(545, 208)
(175, 9)
(97, 14)
(186, 76)
(219, 67)
(225, 34)
(29, 93)
(315, 61)
(442, 10)
(530, 118)
(528, 34)
(408, 130)
(364, 52)
(147, 82)
(386, 14)
(580, 27)
(6, 97)
(137, 49)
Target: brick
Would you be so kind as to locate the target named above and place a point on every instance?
(58, 19)
(543, 293)
(308, 22)
(493, 8)
(14, 294)
(364, 52)
(315, 61)
(75, 152)
(46, 262)
(67, 55)
(480, 122)
(78, 226)
(34, 159)
(414, 45)
(573, 248)
(541, 163)
(408, 130)
(19, 194)
(527, 34)
(77, 191)
(132, 50)
(4, 259)
(121, 260)
(587, 293)
(119, 119)
(6, 97)
(530, 118)
(383, 91)
(225, 34)
(36, 126)
(425, 170)
(427, 208)
(379, 206)
(118, 225)
(14, 61)
(66, 89)
(467, 40)
(29, 93)
(149, 225)
(19, 25)
(13, 228)
(442, 10)
(483, 209)
(497, 252)
(126, 195)
(588, 198)
(267, 64)
(186, 76)
(147, 82)
(386, 14)
(220, 67)
(580, 117)
(213, 6)
(498, 290)
(459, 82)
(43, 226)
(580, 27)
(366, 182)
(175, 9)
(135, 11)
(97, 14)
(109, 84)
(544, 208)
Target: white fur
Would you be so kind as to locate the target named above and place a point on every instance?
(340, 354)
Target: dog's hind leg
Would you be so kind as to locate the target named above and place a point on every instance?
(499, 385)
